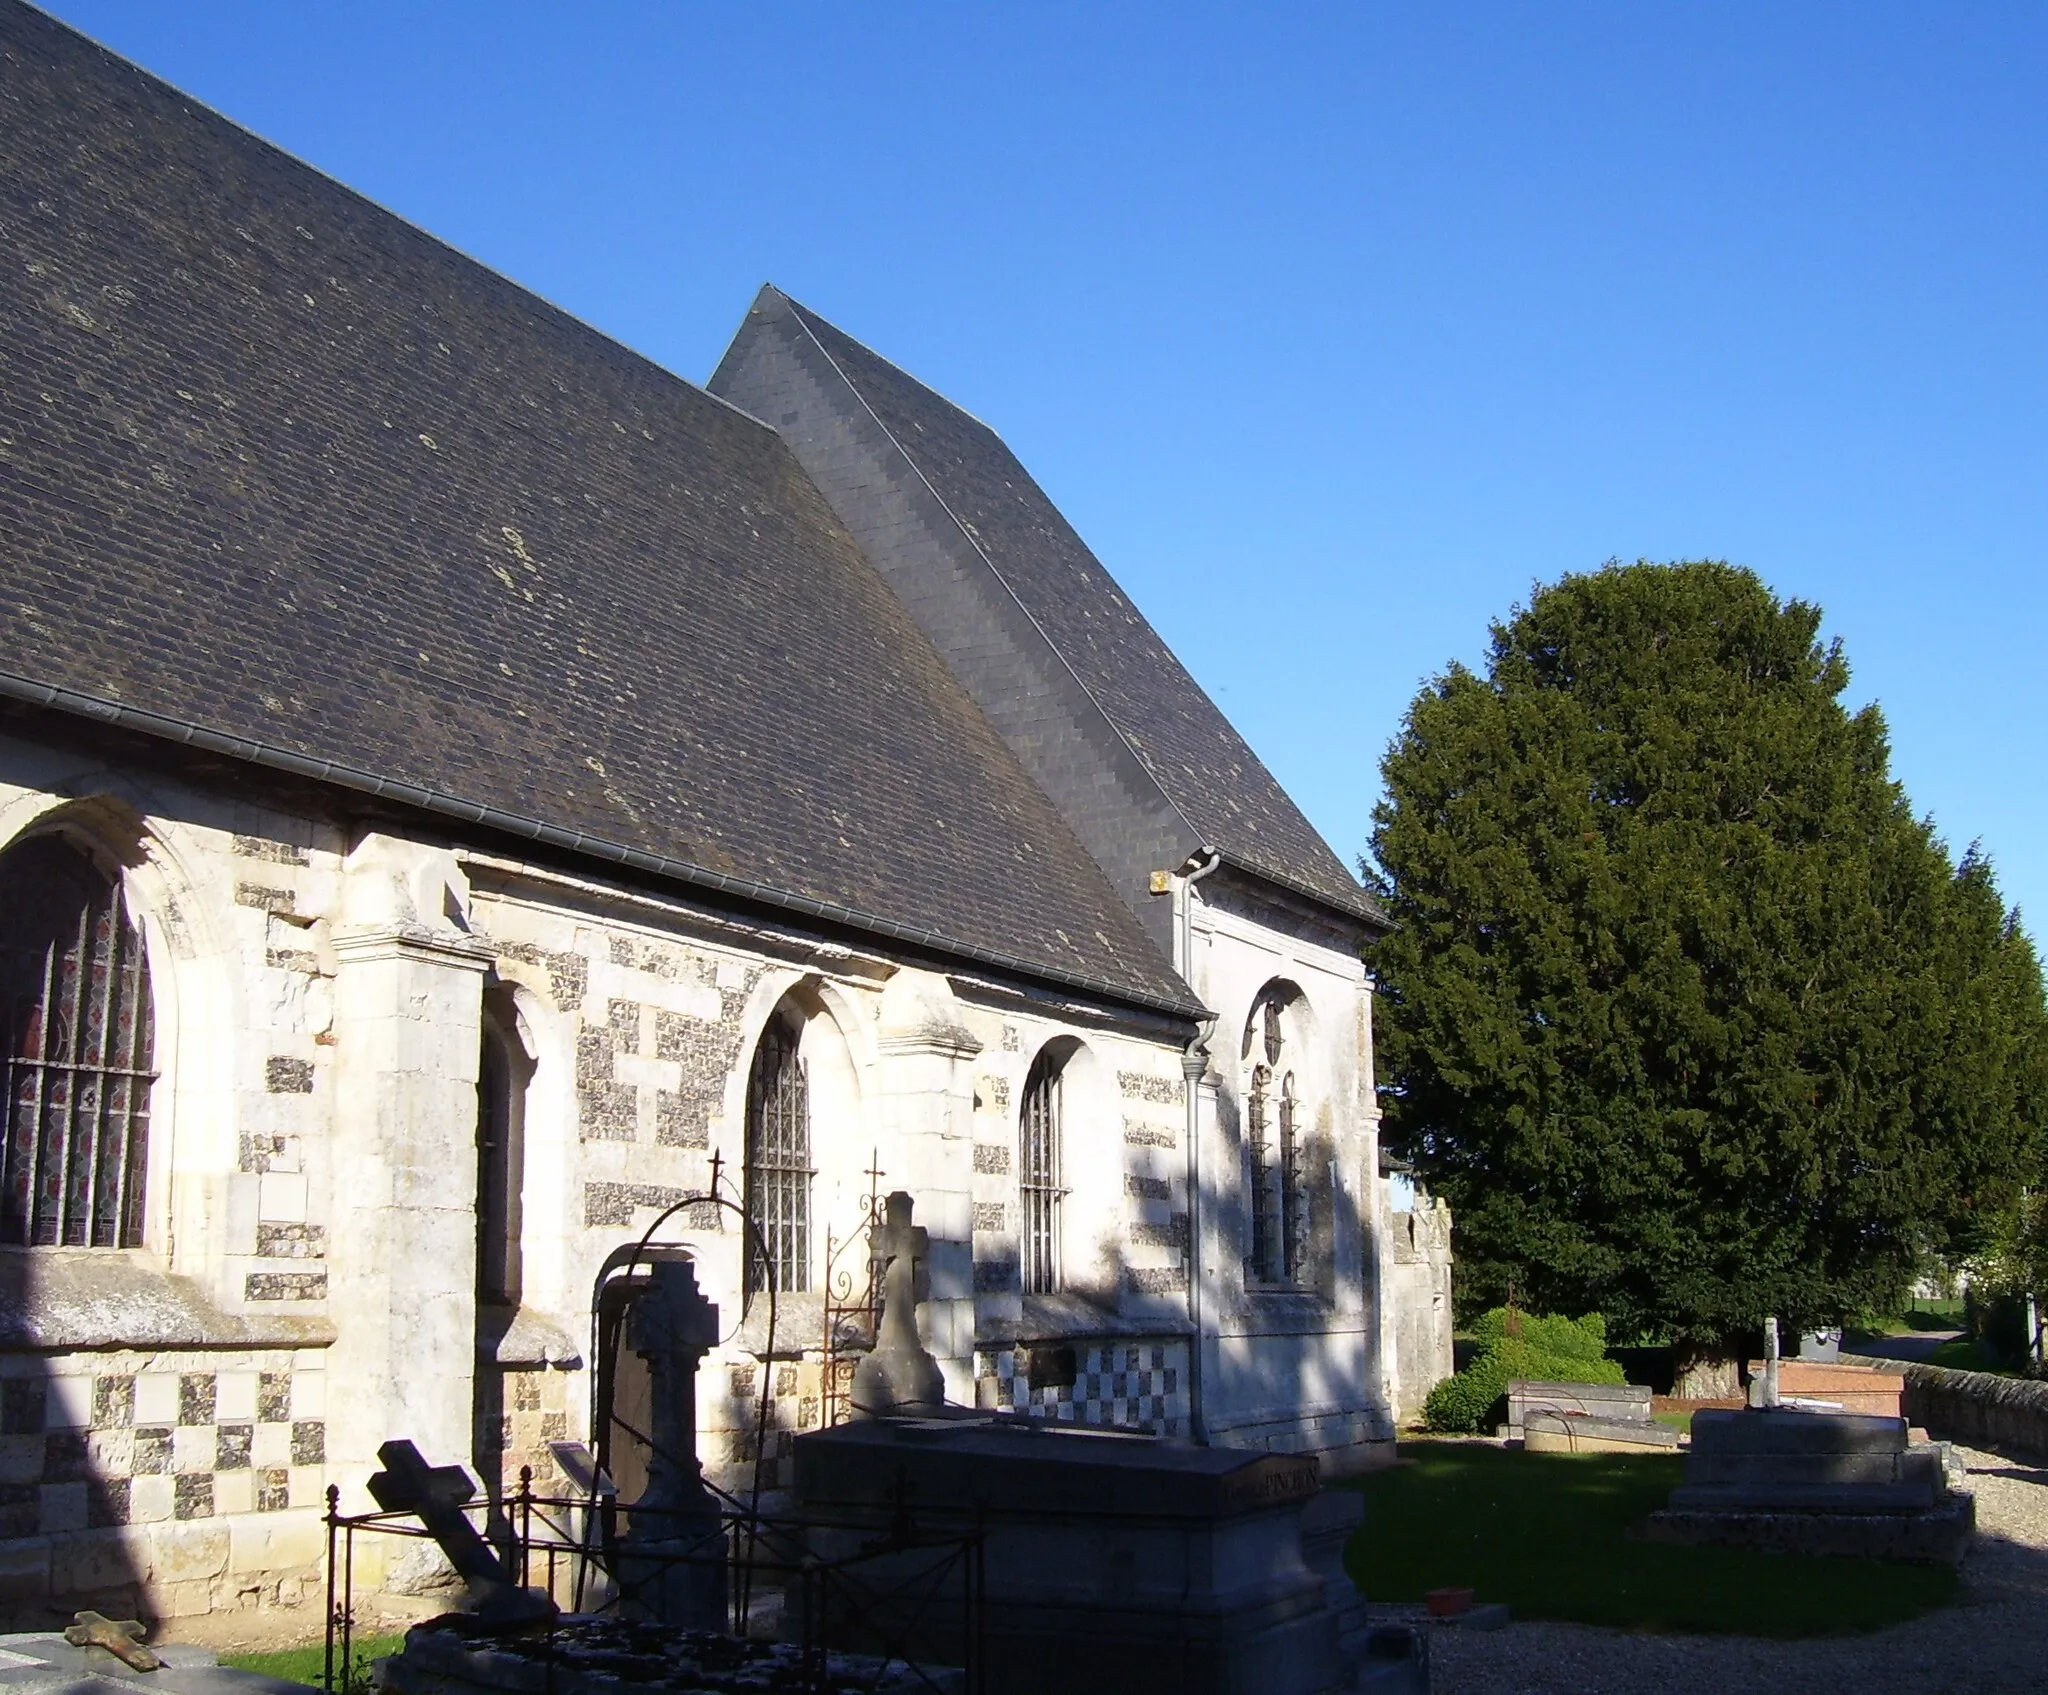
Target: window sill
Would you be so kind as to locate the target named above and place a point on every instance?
(56, 1299)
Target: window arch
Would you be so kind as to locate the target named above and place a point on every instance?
(777, 1171)
(79, 1044)
(1039, 1189)
(1276, 1195)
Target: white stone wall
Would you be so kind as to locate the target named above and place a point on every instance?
(1420, 1291)
(321, 996)
(1308, 1369)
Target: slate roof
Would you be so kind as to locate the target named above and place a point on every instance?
(1092, 700)
(278, 465)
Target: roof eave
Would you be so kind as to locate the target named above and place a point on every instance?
(162, 726)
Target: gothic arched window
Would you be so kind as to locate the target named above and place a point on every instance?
(778, 1169)
(1276, 1196)
(1257, 1127)
(1038, 1176)
(75, 1018)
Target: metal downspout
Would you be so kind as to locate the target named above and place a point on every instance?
(1194, 1065)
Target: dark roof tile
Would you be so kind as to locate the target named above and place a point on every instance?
(275, 463)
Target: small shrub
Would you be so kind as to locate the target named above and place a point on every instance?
(1544, 1347)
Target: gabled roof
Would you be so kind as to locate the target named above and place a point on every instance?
(1141, 761)
(276, 465)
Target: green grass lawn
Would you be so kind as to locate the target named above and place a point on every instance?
(1548, 1534)
(304, 1665)
(1966, 1353)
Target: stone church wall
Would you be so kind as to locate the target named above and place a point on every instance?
(323, 993)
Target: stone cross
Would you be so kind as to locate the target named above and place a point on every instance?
(899, 1375)
(674, 1527)
(120, 1637)
(672, 1326)
(435, 1495)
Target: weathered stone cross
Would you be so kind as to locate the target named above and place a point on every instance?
(674, 1528)
(435, 1496)
(120, 1637)
(899, 1375)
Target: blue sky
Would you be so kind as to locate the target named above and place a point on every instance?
(1331, 330)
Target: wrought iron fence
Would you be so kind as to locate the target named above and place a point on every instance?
(893, 1587)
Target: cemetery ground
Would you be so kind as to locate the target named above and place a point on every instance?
(1598, 1613)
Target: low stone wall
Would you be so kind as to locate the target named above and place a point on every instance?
(1978, 1409)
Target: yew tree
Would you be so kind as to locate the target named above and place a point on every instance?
(1686, 1013)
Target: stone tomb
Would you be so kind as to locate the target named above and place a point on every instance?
(1844, 1484)
(1584, 1418)
(44, 1663)
(1110, 1562)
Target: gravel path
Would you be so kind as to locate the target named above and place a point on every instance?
(1994, 1638)
(1921, 1345)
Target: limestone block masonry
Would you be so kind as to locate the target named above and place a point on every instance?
(173, 1483)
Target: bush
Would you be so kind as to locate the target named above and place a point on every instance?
(1546, 1348)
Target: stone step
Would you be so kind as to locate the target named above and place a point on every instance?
(1851, 1498)
(1764, 1431)
(1546, 1432)
(1920, 1467)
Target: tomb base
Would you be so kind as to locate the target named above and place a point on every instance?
(1847, 1485)
(609, 1656)
(1117, 1562)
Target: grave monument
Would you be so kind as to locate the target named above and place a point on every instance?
(899, 1374)
(435, 1495)
(1114, 1559)
(672, 1554)
(1796, 1479)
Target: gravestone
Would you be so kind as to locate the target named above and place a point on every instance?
(435, 1495)
(899, 1374)
(672, 1555)
(1839, 1484)
(1584, 1418)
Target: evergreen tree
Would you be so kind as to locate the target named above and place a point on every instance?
(1686, 1014)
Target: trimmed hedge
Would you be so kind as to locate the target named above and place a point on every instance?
(1547, 1348)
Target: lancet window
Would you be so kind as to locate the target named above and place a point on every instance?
(502, 1075)
(1276, 1194)
(75, 1015)
(1038, 1183)
(778, 1167)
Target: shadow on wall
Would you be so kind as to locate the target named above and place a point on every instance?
(1340, 1374)
(76, 1471)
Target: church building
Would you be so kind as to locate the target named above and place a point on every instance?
(477, 811)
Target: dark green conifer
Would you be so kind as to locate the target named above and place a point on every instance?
(1687, 1015)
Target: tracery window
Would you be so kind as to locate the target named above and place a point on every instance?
(1276, 1194)
(75, 1016)
(778, 1168)
(1038, 1179)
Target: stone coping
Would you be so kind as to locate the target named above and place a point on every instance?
(525, 1340)
(56, 1300)
(963, 1463)
(1072, 1318)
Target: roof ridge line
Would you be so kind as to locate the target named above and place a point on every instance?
(981, 553)
(147, 721)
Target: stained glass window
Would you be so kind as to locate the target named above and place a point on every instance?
(75, 1010)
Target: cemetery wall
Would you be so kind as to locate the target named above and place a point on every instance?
(1976, 1408)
